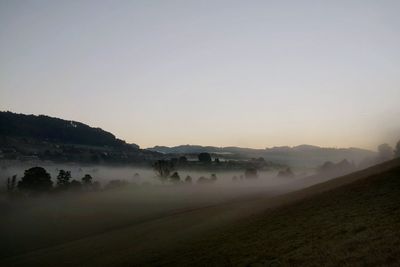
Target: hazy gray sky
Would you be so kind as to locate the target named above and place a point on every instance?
(244, 73)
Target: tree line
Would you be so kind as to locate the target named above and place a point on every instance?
(37, 180)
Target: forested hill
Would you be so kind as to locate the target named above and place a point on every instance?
(51, 129)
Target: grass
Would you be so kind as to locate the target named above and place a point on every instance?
(354, 225)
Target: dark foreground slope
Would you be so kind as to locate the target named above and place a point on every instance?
(353, 225)
(352, 220)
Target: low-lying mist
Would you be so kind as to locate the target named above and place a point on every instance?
(35, 222)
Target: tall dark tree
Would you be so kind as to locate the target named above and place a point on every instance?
(286, 173)
(250, 173)
(11, 184)
(63, 178)
(36, 179)
(204, 157)
(397, 151)
(205, 180)
(87, 182)
(163, 168)
(175, 178)
(87, 179)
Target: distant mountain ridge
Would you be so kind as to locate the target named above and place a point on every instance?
(200, 149)
(27, 135)
(233, 149)
(302, 155)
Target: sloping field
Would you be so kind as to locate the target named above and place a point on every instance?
(354, 225)
(351, 220)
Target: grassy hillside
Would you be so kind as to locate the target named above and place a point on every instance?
(354, 225)
(353, 220)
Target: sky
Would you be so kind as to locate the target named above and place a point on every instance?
(223, 73)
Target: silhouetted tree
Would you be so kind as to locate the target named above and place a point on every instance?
(175, 177)
(286, 173)
(204, 157)
(204, 180)
(340, 168)
(216, 160)
(345, 165)
(63, 178)
(328, 166)
(11, 183)
(251, 173)
(35, 179)
(87, 182)
(163, 168)
(397, 151)
(87, 179)
(188, 179)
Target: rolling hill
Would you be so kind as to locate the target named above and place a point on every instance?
(352, 220)
(55, 130)
(299, 156)
(47, 138)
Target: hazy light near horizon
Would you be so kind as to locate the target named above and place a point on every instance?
(244, 73)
